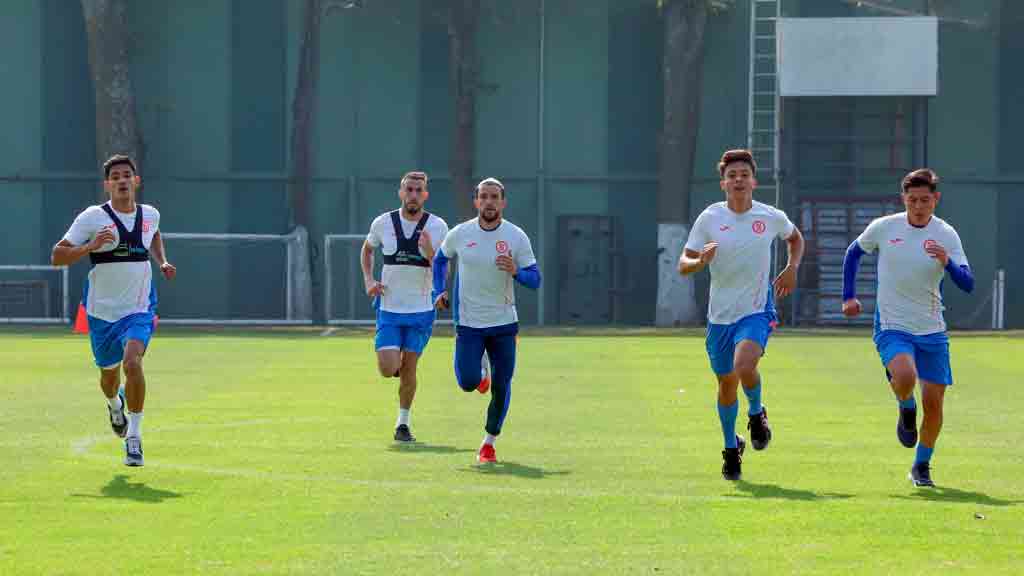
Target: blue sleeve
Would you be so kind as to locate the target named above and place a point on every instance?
(850, 264)
(961, 276)
(529, 276)
(440, 273)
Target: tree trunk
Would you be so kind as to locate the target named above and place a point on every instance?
(117, 130)
(685, 22)
(300, 181)
(462, 84)
(303, 114)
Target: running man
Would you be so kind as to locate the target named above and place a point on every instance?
(408, 237)
(119, 237)
(916, 250)
(734, 238)
(492, 252)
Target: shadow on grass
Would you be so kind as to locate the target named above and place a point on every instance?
(506, 468)
(425, 448)
(774, 491)
(941, 494)
(119, 487)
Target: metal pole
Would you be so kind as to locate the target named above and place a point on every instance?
(328, 283)
(1001, 276)
(289, 304)
(995, 301)
(542, 212)
(66, 287)
(353, 222)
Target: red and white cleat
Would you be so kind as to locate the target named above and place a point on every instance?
(486, 454)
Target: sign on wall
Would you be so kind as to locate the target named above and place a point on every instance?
(858, 56)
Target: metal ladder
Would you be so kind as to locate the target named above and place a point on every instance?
(763, 102)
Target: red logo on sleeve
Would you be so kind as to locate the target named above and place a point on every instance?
(759, 227)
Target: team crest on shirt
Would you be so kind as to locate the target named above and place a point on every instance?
(501, 246)
(929, 243)
(147, 225)
(759, 227)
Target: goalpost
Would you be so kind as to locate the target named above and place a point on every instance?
(175, 309)
(352, 274)
(343, 274)
(29, 294)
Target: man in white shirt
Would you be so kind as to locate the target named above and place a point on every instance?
(735, 239)
(492, 253)
(915, 251)
(120, 299)
(408, 238)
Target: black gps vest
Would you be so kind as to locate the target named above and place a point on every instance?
(130, 248)
(408, 252)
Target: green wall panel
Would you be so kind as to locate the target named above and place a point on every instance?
(507, 103)
(576, 87)
(966, 207)
(21, 115)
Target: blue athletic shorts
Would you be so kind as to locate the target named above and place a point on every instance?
(930, 353)
(406, 332)
(722, 338)
(109, 338)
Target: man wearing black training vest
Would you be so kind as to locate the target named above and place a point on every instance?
(408, 238)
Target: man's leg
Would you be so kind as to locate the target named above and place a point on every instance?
(469, 349)
(108, 353)
(135, 389)
(137, 332)
(389, 362)
(902, 377)
(932, 398)
(406, 393)
(935, 374)
(728, 407)
(110, 384)
(749, 350)
(501, 350)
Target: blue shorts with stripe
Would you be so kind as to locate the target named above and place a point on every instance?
(930, 353)
(407, 332)
(109, 338)
(722, 339)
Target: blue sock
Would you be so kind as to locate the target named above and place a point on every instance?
(924, 453)
(727, 415)
(908, 403)
(754, 396)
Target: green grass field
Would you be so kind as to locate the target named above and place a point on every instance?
(271, 453)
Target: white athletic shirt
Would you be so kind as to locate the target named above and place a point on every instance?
(117, 289)
(740, 272)
(485, 295)
(909, 295)
(406, 288)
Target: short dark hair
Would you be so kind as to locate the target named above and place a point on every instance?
(489, 182)
(115, 160)
(921, 177)
(739, 155)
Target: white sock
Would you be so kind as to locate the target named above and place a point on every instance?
(115, 402)
(485, 367)
(134, 424)
(489, 439)
(403, 417)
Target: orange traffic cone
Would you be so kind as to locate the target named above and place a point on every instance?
(81, 321)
